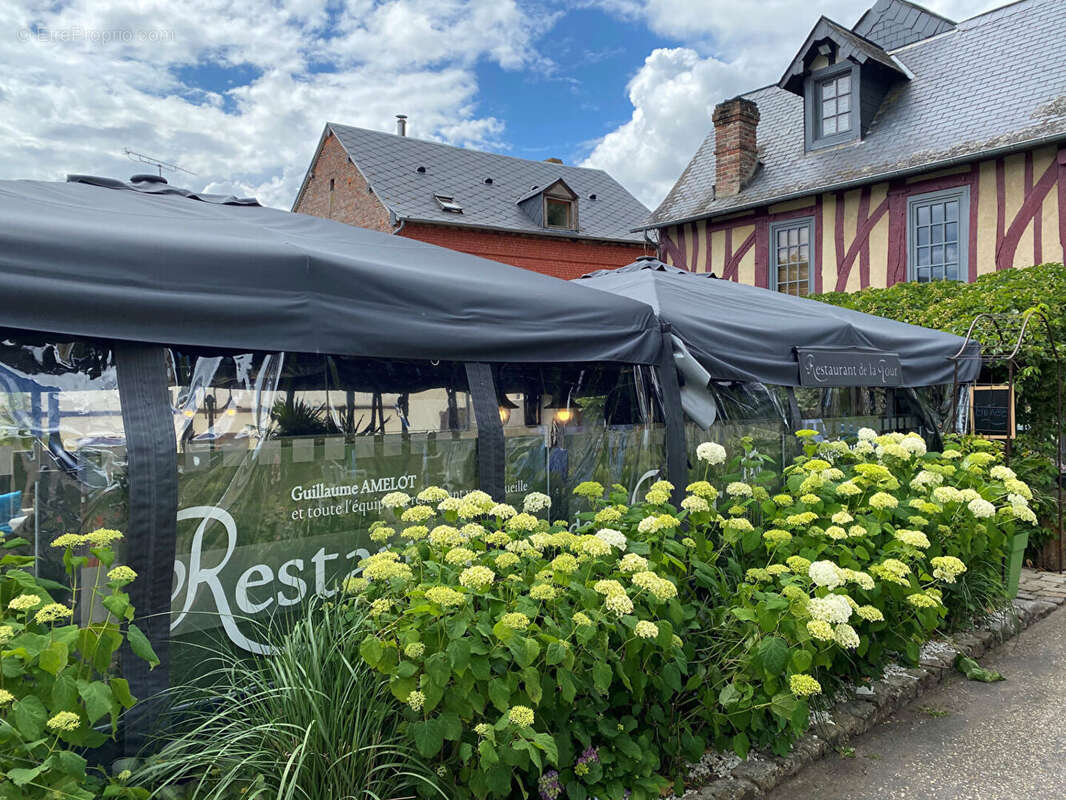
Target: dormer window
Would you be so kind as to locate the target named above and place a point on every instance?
(553, 206)
(842, 79)
(835, 111)
(830, 97)
(557, 213)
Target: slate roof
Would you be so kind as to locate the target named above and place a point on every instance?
(851, 46)
(390, 165)
(897, 23)
(991, 84)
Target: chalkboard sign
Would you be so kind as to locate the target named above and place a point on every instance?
(992, 411)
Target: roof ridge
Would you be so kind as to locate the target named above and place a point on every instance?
(994, 10)
(461, 149)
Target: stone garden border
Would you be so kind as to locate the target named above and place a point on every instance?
(867, 706)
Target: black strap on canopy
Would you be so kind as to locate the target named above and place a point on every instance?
(491, 454)
(152, 528)
(673, 416)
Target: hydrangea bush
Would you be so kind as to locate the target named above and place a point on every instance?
(591, 659)
(524, 651)
(59, 683)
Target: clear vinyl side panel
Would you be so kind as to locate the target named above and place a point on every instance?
(283, 462)
(62, 442)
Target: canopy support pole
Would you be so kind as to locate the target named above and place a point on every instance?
(673, 417)
(151, 531)
(491, 456)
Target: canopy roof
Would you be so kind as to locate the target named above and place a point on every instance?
(741, 332)
(148, 262)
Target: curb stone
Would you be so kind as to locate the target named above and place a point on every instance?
(873, 704)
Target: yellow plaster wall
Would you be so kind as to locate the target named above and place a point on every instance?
(986, 217)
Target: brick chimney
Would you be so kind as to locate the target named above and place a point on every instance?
(735, 151)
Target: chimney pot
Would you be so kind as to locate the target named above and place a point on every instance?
(401, 124)
(735, 148)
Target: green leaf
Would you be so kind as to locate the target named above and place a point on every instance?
(729, 696)
(487, 751)
(438, 668)
(65, 693)
(70, 763)
(118, 603)
(499, 694)
(371, 650)
(801, 660)
(601, 676)
(120, 688)
(774, 654)
(141, 647)
(782, 705)
(567, 690)
(450, 725)
(53, 658)
(21, 776)
(556, 653)
(98, 699)
(741, 744)
(459, 654)
(30, 716)
(428, 737)
(741, 613)
(505, 633)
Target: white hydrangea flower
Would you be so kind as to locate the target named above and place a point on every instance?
(1002, 473)
(536, 501)
(825, 573)
(846, 636)
(711, 453)
(914, 444)
(867, 434)
(833, 608)
(863, 447)
(981, 508)
(612, 537)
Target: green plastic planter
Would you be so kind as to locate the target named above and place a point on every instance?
(1015, 559)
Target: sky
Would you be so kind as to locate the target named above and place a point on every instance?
(236, 92)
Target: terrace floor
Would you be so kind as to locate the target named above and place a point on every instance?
(964, 740)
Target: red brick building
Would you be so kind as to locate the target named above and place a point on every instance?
(541, 215)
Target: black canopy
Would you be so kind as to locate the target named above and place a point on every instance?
(741, 332)
(146, 262)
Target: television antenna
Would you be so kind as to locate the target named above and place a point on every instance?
(159, 164)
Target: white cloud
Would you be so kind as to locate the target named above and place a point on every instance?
(732, 47)
(80, 81)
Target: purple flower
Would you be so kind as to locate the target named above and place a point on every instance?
(549, 785)
(590, 756)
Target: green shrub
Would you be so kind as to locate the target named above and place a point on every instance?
(58, 681)
(517, 648)
(951, 306)
(594, 661)
(311, 722)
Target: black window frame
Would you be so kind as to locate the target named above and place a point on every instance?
(812, 101)
(775, 266)
(962, 194)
